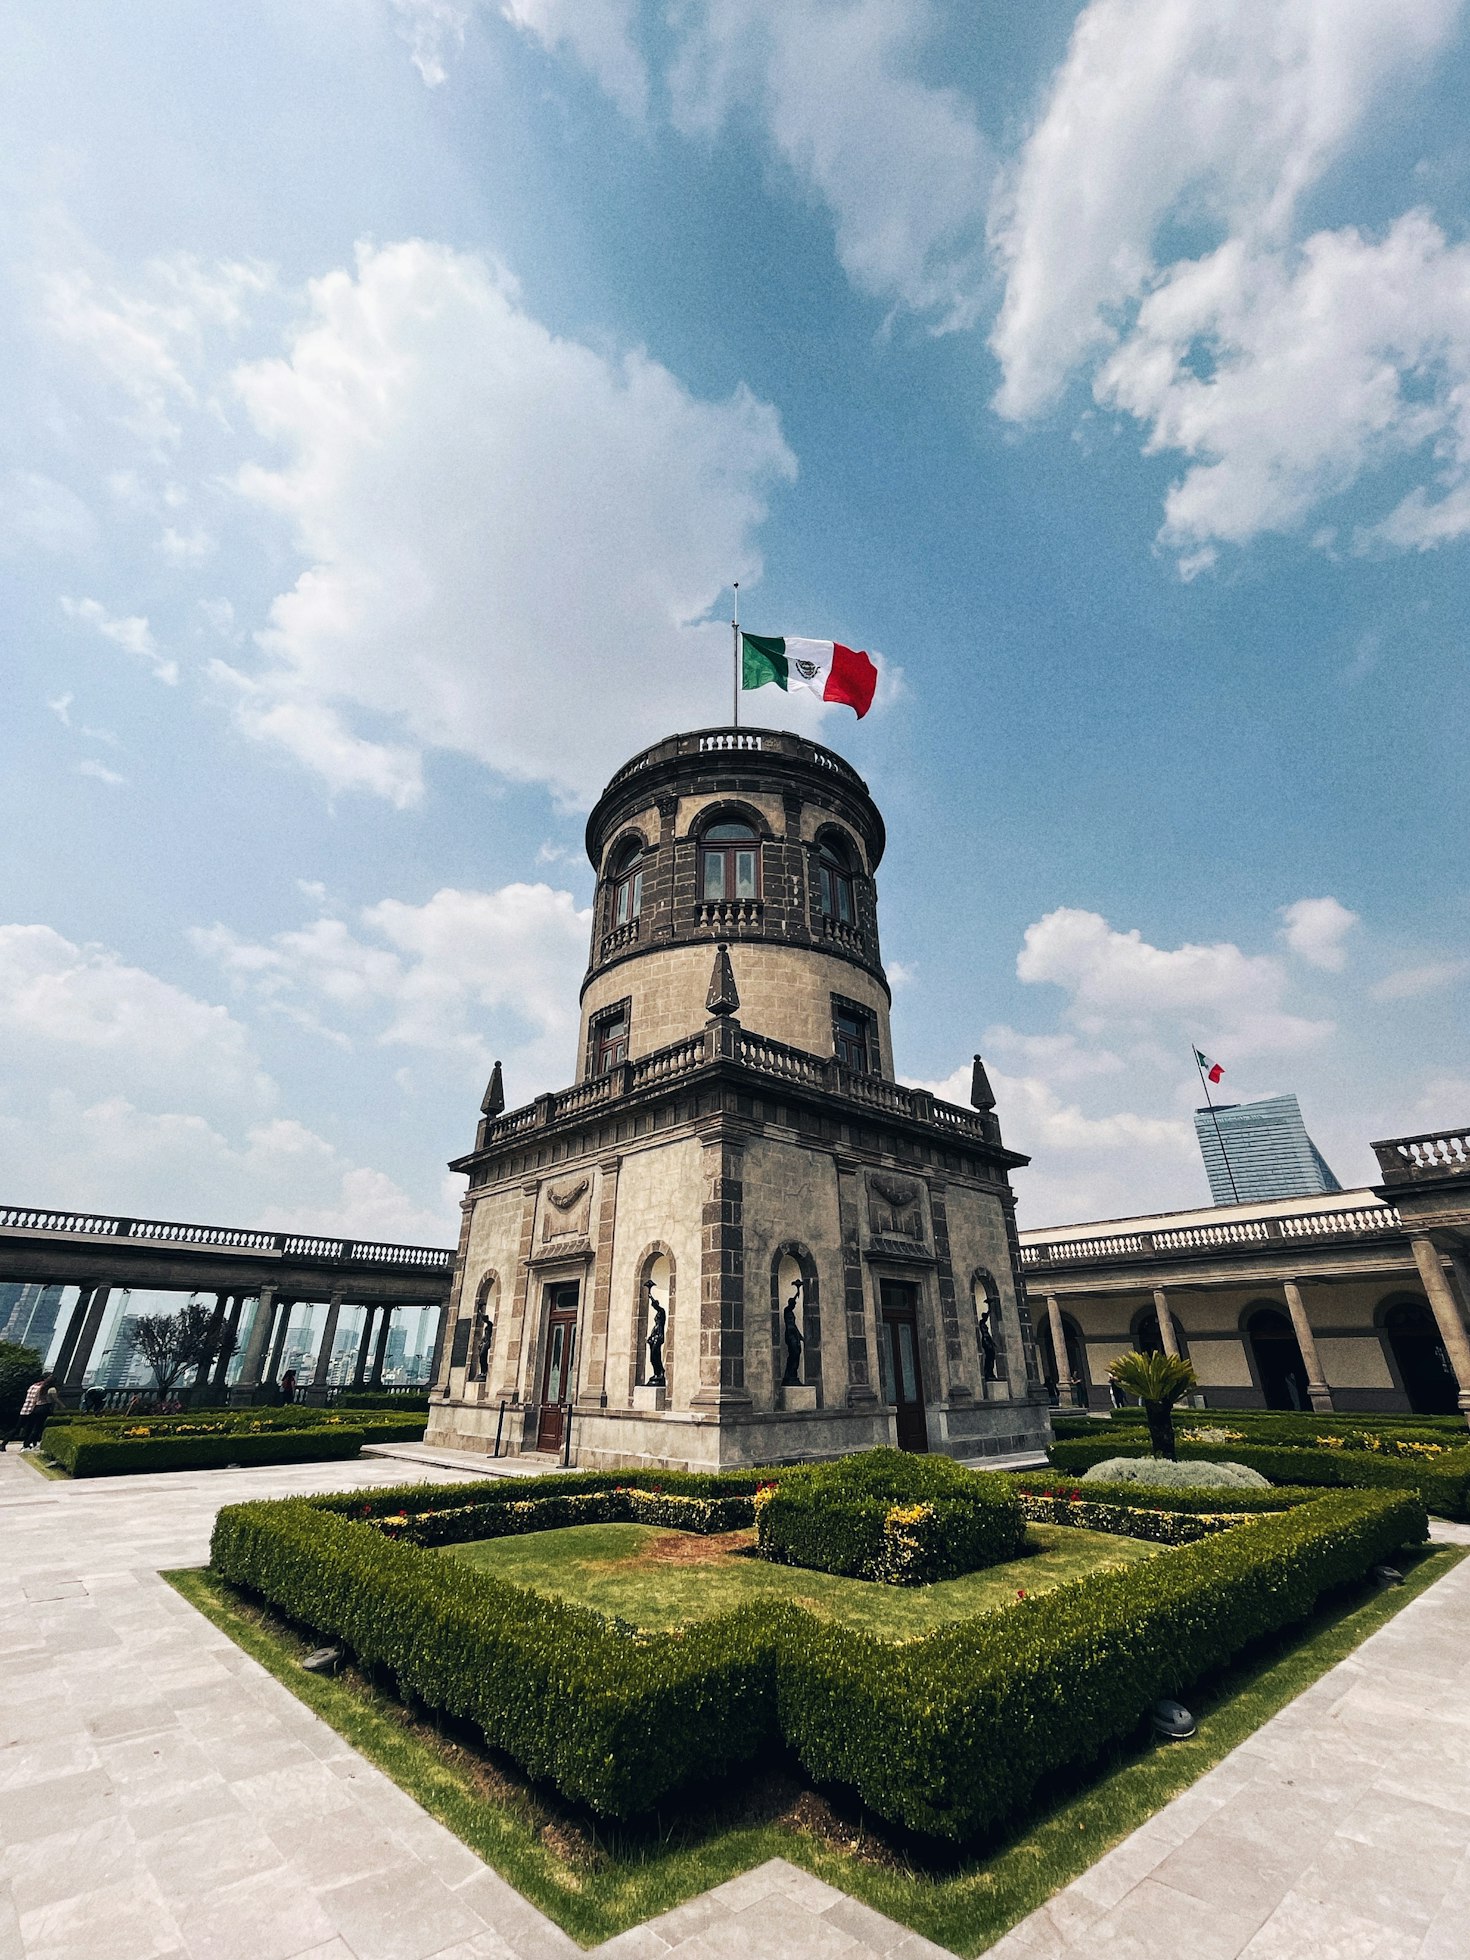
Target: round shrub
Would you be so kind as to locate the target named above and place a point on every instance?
(1159, 1472)
(886, 1515)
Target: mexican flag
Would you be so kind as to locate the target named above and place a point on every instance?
(833, 671)
(1211, 1071)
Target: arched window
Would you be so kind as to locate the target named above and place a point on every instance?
(626, 878)
(729, 863)
(834, 881)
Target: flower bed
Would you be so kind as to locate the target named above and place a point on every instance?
(900, 1519)
(944, 1734)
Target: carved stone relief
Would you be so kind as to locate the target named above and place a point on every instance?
(894, 1210)
(567, 1210)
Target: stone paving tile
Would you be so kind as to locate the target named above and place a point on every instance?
(161, 1795)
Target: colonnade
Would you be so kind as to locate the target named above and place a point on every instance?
(265, 1345)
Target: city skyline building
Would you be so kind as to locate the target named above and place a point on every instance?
(28, 1314)
(1260, 1150)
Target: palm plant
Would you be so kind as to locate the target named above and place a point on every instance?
(1158, 1380)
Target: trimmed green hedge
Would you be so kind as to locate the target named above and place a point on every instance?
(945, 1734)
(887, 1515)
(949, 1735)
(376, 1398)
(81, 1450)
(410, 1500)
(1278, 1425)
(1127, 1520)
(1443, 1482)
(459, 1524)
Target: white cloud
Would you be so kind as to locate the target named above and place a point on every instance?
(100, 772)
(901, 165)
(434, 31)
(132, 634)
(1414, 982)
(1320, 365)
(39, 514)
(466, 974)
(1224, 111)
(1118, 980)
(150, 340)
(1315, 928)
(510, 540)
(1280, 370)
(599, 33)
(120, 1090)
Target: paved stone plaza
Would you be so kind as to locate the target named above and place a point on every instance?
(161, 1794)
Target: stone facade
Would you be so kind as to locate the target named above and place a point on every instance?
(736, 1155)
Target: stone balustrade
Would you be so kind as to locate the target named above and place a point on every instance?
(1318, 1227)
(1438, 1154)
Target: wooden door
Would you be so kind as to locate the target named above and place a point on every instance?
(557, 1378)
(898, 1361)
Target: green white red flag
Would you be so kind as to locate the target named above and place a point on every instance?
(825, 667)
(1211, 1071)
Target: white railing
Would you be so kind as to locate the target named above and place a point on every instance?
(227, 1238)
(1441, 1153)
(1321, 1227)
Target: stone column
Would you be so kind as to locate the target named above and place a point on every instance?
(594, 1375)
(73, 1332)
(216, 1331)
(364, 1347)
(86, 1337)
(437, 1356)
(1446, 1313)
(260, 1330)
(227, 1344)
(1167, 1333)
(1065, 1397)
(722, 1277)
(329, 1341)
(375, 1380)
(278, 1346)
(1318, 1393)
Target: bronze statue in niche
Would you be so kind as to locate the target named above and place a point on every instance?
(792, 1336)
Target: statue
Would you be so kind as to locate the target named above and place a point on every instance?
(482, 1359)
(656, 1340)
(987, 1348)
(794, 1342)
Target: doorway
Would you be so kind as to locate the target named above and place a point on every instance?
(1278, 1359)
(556, 1367)
(1424, 1367)
(898, 1361)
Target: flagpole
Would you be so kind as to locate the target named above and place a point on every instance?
(1219, 1137)
(735, 676)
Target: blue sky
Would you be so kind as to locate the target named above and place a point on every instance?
(396, 385)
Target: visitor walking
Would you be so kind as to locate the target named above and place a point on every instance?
(41, 1401)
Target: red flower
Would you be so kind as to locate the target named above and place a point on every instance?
(1020, 1592)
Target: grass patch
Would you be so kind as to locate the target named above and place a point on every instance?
(663, 1579)
(595, 1881)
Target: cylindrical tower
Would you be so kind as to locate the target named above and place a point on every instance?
(753, 836)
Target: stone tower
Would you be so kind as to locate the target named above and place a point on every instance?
(736, 1238)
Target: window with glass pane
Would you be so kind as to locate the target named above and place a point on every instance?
(852, 1038)
(729, 863)
(834, 884)
(610, 1042)
(629, 901)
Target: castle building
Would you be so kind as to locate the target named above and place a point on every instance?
(736, 1238)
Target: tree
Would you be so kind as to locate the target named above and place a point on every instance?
(172, 1343)
(1158, 1380)
(19, 1367)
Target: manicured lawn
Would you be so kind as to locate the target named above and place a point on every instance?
(666, 1578)
(595, 1880)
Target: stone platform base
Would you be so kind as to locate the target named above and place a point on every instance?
(670, 1439)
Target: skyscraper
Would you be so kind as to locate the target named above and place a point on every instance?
(1266, 1152)
(28, 1312)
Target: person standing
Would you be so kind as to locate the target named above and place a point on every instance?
(42, 1401)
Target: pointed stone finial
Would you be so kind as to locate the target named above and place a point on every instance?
(722, 998)
(982, 1096)
(494, 1094)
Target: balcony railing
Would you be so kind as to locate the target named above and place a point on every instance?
(1442, 1153)
(733, 915)
(774, 1060)
(223, 1238)
(1318, 1227)
(620, 936)
(737, 741)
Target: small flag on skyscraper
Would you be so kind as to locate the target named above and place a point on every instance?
(1211, 1071)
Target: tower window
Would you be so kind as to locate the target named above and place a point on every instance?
(834, 883)
(729, 863)
(627, 883)
(610, 1040)
(854, 1038)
